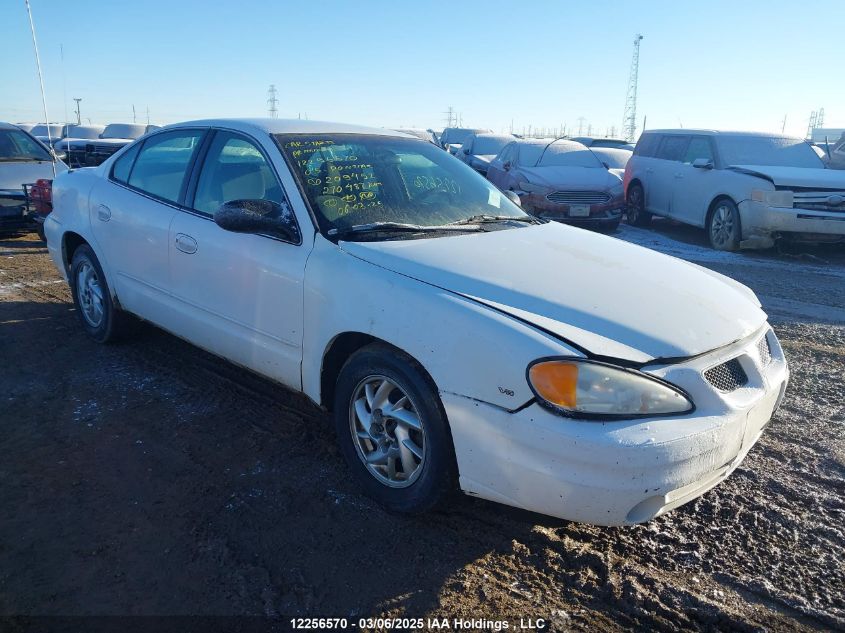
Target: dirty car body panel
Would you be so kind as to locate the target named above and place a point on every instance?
(511, 293)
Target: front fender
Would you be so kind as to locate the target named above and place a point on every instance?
(468, 349)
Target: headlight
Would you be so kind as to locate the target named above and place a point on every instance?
(773, 198)
(590, 389)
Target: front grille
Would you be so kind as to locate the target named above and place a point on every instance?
(102, 149)
(820, 200)
(578, 197)
(765, 351)
(728, 376)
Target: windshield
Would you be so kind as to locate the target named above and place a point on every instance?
(615, 158)
(489, 145)
(568, 154)
(354, 179)
(16, 145)
(774, 151)
(124, 130)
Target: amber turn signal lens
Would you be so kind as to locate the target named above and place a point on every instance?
(556, 382)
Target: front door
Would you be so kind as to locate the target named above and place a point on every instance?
(242, 294)
(695, 186)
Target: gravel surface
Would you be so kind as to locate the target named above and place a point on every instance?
(153, 478)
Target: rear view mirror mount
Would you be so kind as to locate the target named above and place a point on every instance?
(513, 197)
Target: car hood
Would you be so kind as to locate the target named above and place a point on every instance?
(611, 298)
(14, 175)
(573, 178)
(796, 176)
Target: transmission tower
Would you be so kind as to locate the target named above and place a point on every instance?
(629, 120)
(272, 102)
(451, 117)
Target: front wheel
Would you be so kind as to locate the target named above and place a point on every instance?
(635, 211)
(392, 430)
(100, 317)
(723, 227)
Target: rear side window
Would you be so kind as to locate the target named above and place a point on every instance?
(673, 147)
(162, 163)
(123, 165)
(647, 145)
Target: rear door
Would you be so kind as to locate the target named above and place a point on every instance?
(664, 177)
(496, 172)
(130, 214)
(694, 187)
(241, 294)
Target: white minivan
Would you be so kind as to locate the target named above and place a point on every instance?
(747, 189)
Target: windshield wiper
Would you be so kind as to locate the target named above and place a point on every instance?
(401, 227)
(484, 218)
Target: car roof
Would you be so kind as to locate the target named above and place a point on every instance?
(704, 132)
(288, 126)
(8, 126)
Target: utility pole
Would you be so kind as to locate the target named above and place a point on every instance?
(581, 125)
(629, 119)
(783, 127)
(148, 115)
(78, 115)
(272, 102)
(133, 114)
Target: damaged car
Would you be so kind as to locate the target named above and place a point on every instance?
(746, 189)
(579, 376)
(560, 180)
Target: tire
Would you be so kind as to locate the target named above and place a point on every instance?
(723, 226)
(635, 207)
(423, 473)
(100, 317)
(40, 230)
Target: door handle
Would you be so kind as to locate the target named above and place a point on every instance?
(186, 243)
(103, 212)
(649, 170)
(679, 176)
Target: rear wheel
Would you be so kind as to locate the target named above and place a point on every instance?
(100, 317)
(635, 212)
(392, 430)
(723, 227)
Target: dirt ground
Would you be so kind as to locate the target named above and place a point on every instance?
(152, 478)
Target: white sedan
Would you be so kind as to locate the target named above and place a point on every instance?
(457, 341)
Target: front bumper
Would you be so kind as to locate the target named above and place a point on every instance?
(601, 215)
(761, 224)
(620, 472)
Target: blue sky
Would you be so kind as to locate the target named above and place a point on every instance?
(735, 65)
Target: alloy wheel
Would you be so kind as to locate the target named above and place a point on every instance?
(722, 226)
(387, 431)
(90, 294)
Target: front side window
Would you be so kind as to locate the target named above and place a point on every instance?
(773, 151)
(699, 147)
(647, 145)
(16, 145)
(672, 147)
(356, 179)
(234, 169)
(162, 163)
(123, 165)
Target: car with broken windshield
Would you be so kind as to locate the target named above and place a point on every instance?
(457, 341)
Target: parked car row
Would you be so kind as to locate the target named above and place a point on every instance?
(575, 377)
(86, 145)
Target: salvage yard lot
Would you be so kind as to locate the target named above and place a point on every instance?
(152, 478)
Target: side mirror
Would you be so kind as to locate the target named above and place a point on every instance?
(702, 163)
(59, 155)
(513, 197)
(261, 217)
(466, 151)
(507, 166)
